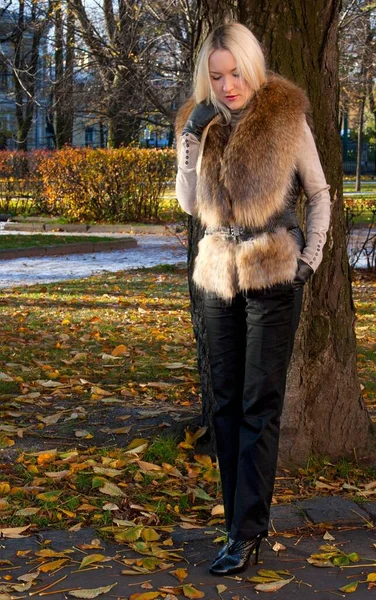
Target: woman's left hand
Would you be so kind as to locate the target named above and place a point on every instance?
(303, 273)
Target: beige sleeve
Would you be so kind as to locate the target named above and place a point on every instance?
(318, 200)
(186, 178)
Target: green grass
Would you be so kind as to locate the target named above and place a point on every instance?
(163, 450)
(13, 241)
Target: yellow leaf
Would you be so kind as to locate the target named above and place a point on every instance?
(52, 566)
(92, 558)
(129, 535)
(92, 593)
(99, 391)
(180, 574)
(204, 459)
(171, 470)
(49, 553)
(191, 438)
(212, 475)
(119, 350)
(4, 488)
(218, 510)
(145, 596)
(49, 496)
(221, 588)
(46, 457)
(350, 587)
(150, 535)
(190, 592)
(371, 577)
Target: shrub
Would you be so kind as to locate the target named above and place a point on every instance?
(124, 184)
(84, 184)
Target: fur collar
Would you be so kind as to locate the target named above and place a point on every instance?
(246, 174)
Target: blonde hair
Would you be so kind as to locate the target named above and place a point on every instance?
(248, 54)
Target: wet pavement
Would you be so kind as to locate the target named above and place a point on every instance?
(287, 548)
(151, 250)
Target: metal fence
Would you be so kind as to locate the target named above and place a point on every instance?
(350, 154)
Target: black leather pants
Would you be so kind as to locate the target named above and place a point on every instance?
(250, 346)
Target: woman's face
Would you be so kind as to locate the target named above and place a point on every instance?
(226, 82)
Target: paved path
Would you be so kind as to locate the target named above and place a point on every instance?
(299, 529)
(151, 250)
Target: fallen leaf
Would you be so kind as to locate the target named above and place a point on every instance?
(13, 532)
(93, 593)
(190, 591)
(273, 586)
(350, 587)
(145, 596)
(111, 489)
(278, 547)
(119, 350)
(180, 574)
(26, 512)
(92, 558)
(52, 566)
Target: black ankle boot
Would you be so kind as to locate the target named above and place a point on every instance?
(237, 557)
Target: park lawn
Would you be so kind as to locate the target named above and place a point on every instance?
(83, 365)
(12, 241)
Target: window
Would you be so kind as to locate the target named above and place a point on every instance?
(89, 136)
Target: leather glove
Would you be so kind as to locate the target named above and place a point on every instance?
(199, 118)
(303, 273)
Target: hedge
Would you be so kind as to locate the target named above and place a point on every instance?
(84, 184)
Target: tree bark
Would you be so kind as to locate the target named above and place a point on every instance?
(210, 14)
(324, 411)
(358, 179)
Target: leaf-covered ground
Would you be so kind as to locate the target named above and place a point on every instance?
(91, 373)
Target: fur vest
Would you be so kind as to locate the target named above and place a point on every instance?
(247, 177)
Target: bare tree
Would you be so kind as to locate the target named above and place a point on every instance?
(63, 104)
(26, 36)
(357, 66)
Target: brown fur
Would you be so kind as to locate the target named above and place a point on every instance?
(266, 260)
(246, 174)
(246, 177)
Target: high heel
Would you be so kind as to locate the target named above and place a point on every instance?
(237, 557)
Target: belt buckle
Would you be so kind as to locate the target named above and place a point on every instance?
(236, 230)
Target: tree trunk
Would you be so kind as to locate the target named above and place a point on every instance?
(362, 103)
(211, 14)
(59, 74)
(324, 411)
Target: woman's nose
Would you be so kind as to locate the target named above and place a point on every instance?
(227, 84)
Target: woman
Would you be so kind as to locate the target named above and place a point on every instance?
(245, 150)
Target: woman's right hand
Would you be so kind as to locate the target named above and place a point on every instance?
(199, 118)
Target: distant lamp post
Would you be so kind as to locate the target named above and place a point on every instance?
(147, 137)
